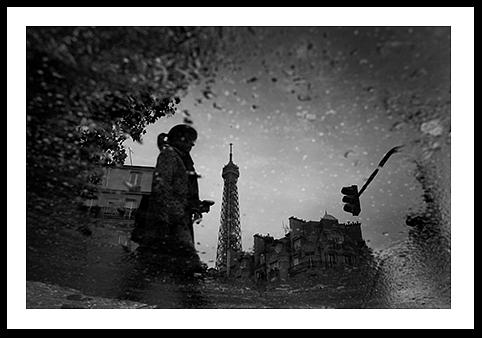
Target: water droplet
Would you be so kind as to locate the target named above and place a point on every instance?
(432, 127)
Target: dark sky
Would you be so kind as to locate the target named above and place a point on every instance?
(310, 110)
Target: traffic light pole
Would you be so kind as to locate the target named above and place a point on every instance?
(372, 176)
(380, 165)
(352, 193)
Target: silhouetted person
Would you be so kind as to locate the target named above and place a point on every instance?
(164, 221)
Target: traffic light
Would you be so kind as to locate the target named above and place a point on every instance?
(351, 199)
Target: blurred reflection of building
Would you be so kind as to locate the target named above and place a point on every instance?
(308, 245)
(242, 265)
(121, 191)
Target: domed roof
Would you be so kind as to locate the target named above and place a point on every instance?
(329, 217)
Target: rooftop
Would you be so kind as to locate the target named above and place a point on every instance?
(329, 217)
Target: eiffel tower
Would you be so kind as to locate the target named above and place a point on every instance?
(229, 238)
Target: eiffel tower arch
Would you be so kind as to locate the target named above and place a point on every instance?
(229, 237)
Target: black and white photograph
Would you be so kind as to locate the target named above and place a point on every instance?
(245, 166)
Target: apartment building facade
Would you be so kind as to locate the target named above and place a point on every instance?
(120, 192)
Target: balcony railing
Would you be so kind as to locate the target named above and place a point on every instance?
(118, 213)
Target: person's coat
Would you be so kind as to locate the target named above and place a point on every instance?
(167, 216)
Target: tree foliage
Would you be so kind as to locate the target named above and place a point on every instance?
(90, 88)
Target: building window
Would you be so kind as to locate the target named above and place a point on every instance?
(135, 178)
(131, 203)
(130, 206)
(297, 244)
(112, 207)
(332, 259)
(310, 261)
